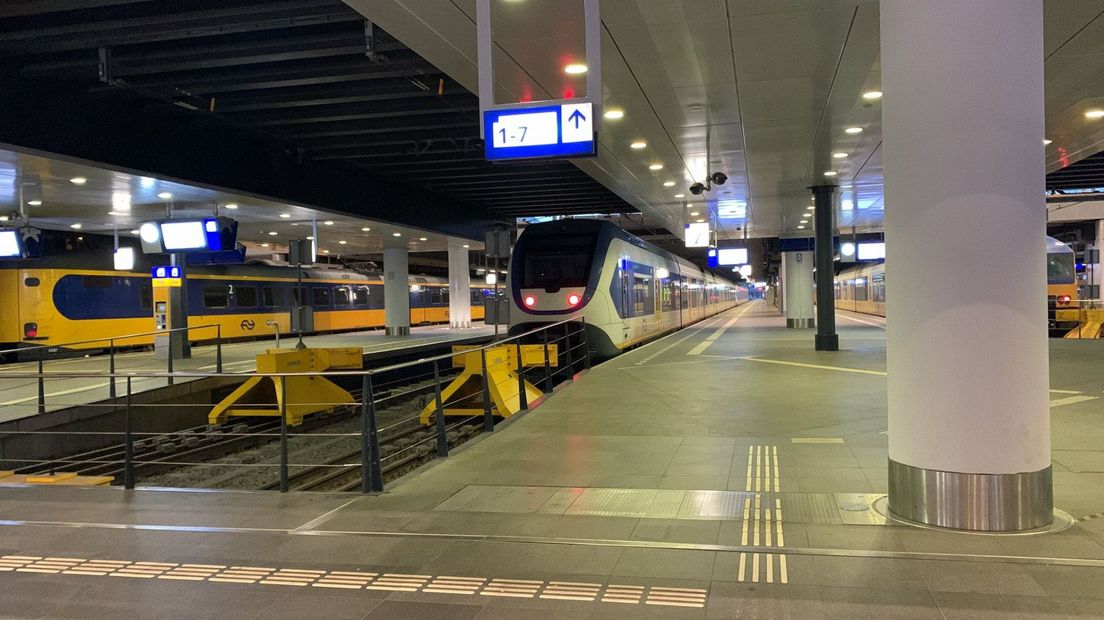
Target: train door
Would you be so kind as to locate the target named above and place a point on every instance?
(625, 308)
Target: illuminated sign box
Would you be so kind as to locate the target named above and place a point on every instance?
(213, 234)
(11, 245)
(732, 256)
(697, 235)
(539, 131)
(166, 276)
(871, 251)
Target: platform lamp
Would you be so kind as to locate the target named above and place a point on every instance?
(299, 250)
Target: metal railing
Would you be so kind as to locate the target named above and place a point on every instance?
(1079, 322)
(112, 348)
(356, 447)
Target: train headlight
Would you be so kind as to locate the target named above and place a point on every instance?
(530, 301)
(1064, 299)
(573, 300)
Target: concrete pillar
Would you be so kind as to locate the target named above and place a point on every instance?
(797, 289)
(459, 270)
(396, 290)
(969, 424)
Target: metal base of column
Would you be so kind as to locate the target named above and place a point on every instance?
(403, 330)
(978, 502)
(800, 323)
(460, 325)
(827, 343)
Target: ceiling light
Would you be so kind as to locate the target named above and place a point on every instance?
(839, 155)
(639, 144)
(465, 246)
(310, 238)
(668, 184)
(804, 221)
(3, 218)
(396, 234)
(116, 213)
(810, 207)
(680, 195)
(830, 173)
(853, 130)
(694, 214)
(325, 251)
(78, 180)
(655, 167)
(285, 215)
(614, 114)
(147, 182)
(1094, 114)
(265, 245)
(872, 95)
(295, 223)
(800, 227)
(232, 206)
(575, 69)
(1046, 142)
(165, 195)
(272, 233)
(700, 220)
(135, 231)
(365, 229)
(35, 203)
(75, 226)
(328, 222)
(423, 239)
(342, 242)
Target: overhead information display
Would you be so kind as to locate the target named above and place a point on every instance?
(563, 130)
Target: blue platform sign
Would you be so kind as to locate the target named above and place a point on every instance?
(541, 131)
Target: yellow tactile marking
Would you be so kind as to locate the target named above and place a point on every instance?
(762, 469)
(622, 594)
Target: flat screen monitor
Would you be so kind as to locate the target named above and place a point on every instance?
(9, 244)
(871, 251)
(183, 236)
(732, 256)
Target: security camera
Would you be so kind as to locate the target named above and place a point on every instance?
(719, 178)
(697, 188)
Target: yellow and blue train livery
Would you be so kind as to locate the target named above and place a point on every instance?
(54, 302)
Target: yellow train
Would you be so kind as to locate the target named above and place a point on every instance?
(54, 301)
(862, 288)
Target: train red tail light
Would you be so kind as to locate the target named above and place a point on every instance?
(573, 300)
(530, 301)
(1064, 299)
(30, 330)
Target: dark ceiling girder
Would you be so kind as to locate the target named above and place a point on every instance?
(308, 136)
(21, 8)
(291, 102)
(305, 120)
(284, 79)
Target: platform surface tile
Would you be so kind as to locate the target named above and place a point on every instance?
(19, 397)
(725, 471)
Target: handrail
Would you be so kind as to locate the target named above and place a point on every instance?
(108, 338)
(150, 374)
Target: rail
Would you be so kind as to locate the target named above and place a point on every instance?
(382, 422)
(111, 346)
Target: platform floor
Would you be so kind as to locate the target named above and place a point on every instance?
(19, 397)
(725, 471)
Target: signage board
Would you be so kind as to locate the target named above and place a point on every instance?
(871, 251)
(697, 235)
(540, 130)
(732, 256)
(166, 276)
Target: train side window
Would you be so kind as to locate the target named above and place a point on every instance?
(216, 296)
(360, 295)
(98, 281)
(444, 296)
(435, 296)
(341, 296)
(268, 296)
(145, 297)
(320, 296)
(245, 296)
(31, 282)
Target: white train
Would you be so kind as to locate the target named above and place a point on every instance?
(626, 290)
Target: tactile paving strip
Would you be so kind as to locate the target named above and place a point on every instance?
(361, 580)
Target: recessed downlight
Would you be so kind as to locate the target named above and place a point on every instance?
(328, 222)
(77, 226)
(164, 195)
(1094, 114)
(1047, 141)
(266, 245)
(423, 238)
(614, 114)
(285, 216)
(465, 246)
(840, 155)
(272, 233)
(575, 68)
(872, 95)
(801, 228)
(668, 184)
(853, 130)
(396, 234)
(680, 195)
(78, 180)
(830, 173)
(232, 206)
(342, 242)
(700, 220)
(655, 167)
(694, 214)
(135, 231)
(365, 229)
(34, 203)
(639, 144)
(325, 251)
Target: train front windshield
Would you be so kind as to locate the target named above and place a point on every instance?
(1060, 268)
(552, 262)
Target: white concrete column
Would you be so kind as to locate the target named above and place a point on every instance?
(797, 289)
(396, 290)
(459, 270)
(969, 424)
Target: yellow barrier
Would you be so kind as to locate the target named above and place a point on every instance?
(1092, 319)
(305, 395)
(464, 395)
(61, 478)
